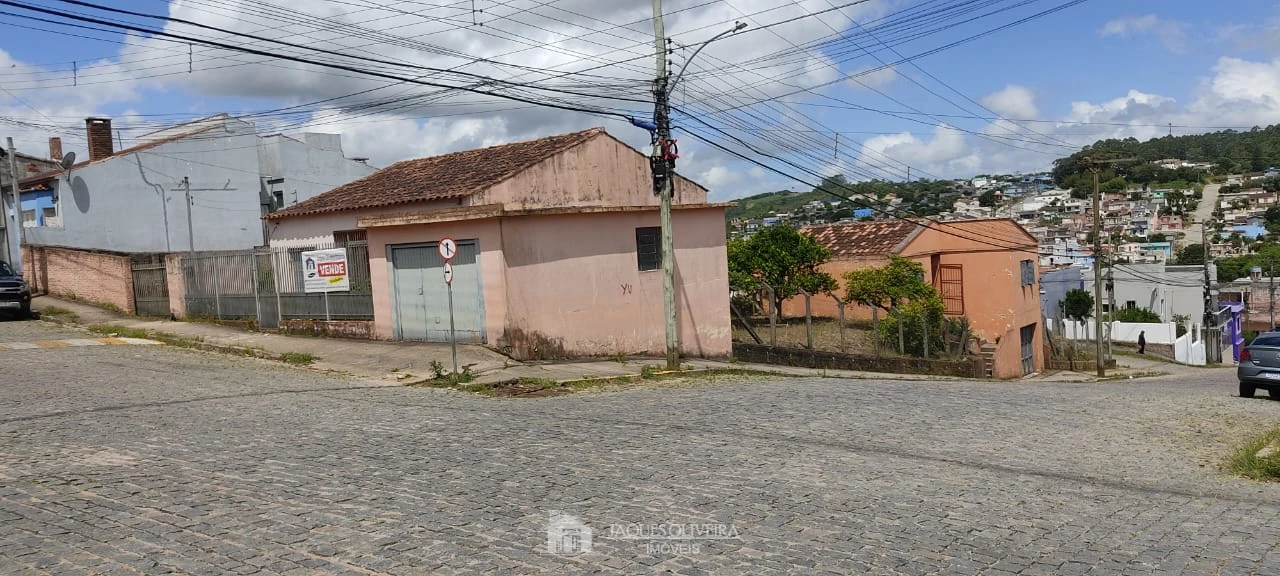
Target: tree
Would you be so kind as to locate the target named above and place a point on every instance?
(1157, 237)
(1077, 305)
(782, 257)
(889, 286)
(1191, 254)
(987, 199)
(898, 287)
(1141, 315)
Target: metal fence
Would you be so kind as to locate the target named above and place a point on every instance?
(267, 285)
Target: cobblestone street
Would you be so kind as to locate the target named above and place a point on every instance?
(153, 460)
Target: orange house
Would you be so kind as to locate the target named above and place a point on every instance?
(984, 269)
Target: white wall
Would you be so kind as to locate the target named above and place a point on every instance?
(308, 169)
(1189, 349)
(1120, 331)
(136, 202)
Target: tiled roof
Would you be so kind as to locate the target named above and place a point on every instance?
(994, 232)
(455, 175)
(855, 239)
(120, 153)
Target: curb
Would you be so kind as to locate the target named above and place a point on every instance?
(228, 349)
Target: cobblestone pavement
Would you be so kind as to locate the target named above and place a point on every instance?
(151, 460)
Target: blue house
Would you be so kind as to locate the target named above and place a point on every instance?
(1250, 231)
(39, 208)
(1166, 247)
(863, 213)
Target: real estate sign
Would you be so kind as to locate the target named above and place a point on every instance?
(325, 271)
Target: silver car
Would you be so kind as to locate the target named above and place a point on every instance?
(1260, 366)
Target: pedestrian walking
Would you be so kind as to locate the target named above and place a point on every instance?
(1142, 342)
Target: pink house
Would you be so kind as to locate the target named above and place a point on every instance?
(558, 249)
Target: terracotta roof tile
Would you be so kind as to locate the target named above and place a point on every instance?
(455, 175)
(856, 239)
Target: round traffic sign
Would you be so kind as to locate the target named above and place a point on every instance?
(448, 273)
(448, 248)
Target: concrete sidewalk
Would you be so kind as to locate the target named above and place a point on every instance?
(411, 361)
(362, 358)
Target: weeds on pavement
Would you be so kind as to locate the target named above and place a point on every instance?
(1247, 462)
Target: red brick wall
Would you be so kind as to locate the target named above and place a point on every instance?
(89, 276)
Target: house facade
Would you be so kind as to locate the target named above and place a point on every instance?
(28, 165)
(199, 186)
(986, 271)
(558, 249)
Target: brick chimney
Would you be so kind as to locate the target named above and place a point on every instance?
(100, 138)
(55, 149)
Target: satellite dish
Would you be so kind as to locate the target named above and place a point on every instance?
(68, 160)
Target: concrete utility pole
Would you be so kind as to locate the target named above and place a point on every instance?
(15, 219)
(1092, 165)
(191, 232)
(1097, 274)
(1271, 294)
(663, 162)
(1208, 283)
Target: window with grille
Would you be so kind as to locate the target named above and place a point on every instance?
(344, 237)
(1028, 272)
(951, 285)
(648, 256)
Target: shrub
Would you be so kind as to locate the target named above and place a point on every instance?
(929, 309)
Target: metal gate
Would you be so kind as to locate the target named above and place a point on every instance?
(421, 298)
(1028, 349)
(150, 285)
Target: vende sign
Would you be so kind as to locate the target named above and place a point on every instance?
(325, 271)
(333, 269)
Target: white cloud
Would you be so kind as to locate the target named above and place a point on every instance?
(1170, 34)
(869, 78)
(946, 152)
(1013, 102)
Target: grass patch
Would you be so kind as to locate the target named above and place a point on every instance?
(115, 330)
(541, 387)
(297, 358)
(62, 313)
(1246, 462)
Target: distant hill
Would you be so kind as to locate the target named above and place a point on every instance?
(921, 197)
(762, 205)
(1228, 151)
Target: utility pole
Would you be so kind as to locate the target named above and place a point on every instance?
(1097, 274)
(191, 233)
(1092, 165)
(662, 163)
(1208, 283)
(15, 220)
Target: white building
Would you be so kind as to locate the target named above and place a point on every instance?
(204, 185)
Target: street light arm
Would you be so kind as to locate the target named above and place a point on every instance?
(736, 27)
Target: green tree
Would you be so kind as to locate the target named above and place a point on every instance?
(896, 283)
(1157, 237)
(1191, 254)
(987, 199)
(899, 288)
(1141, 315)
(1077, 305)
(782, 257)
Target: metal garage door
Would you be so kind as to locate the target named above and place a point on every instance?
(420, 297)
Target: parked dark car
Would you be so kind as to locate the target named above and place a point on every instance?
(15, 296)
(1260, 366)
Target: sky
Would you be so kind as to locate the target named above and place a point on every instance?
(885, 89)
